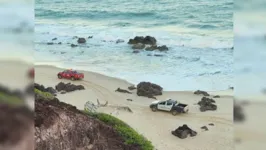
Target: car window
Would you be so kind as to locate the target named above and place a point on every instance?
(162, 103)
(169, 103)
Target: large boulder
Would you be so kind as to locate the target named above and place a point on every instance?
(183, 131)
(144, 40)
(148, 89)
(68, 87)
(81, 40)
(207, 104)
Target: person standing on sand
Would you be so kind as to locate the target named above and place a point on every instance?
(16, 128)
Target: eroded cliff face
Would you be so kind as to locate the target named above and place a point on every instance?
(60, 126)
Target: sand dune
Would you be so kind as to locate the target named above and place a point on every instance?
(156, 126)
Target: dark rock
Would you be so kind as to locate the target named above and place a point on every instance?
(90, 37)
(158, 55)
(231, 88)
(198, 92)
(119, 41)
(54, 39)
(74, 45)
(211, 124)
(50, 43)
(205, 128)
(216, 96)
(148, 89)
(138, 46)
(143, 40)
(63, 52)
(149, 55)
(81, 40)
(207, 104)
(132, 87)
(122, 91)
(43, 89)
(59, 43)
(163, 48)
(183, 131)
(136, 51)
(129, 100)
(68, 87)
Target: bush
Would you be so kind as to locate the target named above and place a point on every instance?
(45, 95)
(129, 135)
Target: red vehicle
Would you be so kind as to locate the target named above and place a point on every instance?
(70, 74)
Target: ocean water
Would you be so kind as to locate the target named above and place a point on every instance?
(199, 34)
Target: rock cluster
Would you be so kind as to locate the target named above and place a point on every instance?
(148, 89)
(207, 104)
(43, 89)
(183, 131)
(68, 87)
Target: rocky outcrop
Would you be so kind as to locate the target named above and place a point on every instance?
(68, 87)
(143, 40)
(207, 104)
(65, 127)
(183, 131)
(43, 89)
(148, 89)
(74, 45)
(198, 92)
(81, 40)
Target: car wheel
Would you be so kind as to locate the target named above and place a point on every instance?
(72, 78)
(174, 112)
(59, 77)
(154, 108)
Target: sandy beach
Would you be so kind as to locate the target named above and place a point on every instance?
(156, 126)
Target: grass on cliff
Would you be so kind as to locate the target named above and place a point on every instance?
(130, 136)
(45, 95)
(10, 99)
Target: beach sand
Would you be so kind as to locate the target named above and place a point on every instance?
(156, 126)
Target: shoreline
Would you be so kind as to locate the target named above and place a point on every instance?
(226, 92)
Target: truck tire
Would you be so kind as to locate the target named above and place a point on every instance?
(72, 78)
(174, 112)
(154, 108)
(59, 76)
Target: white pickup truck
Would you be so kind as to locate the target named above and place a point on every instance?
(169, 105)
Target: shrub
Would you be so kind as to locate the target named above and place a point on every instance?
(45, 95)
(129, 134)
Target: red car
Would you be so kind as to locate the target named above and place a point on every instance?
(70, 74)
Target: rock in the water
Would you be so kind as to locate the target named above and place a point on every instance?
(183, 131)
(81, 40)
(119, 41)
(163, 48)
(136, 51)
(151, 48)
(54, 39)
(90, 37)
(207, 104)
(216, 96)
(74, 45)
(68, 87)
(158, 55)
(138, 46)
(59, 42)
(132, 87)
(148, 89)
(198, 92)
(50, 43)
(143, 40)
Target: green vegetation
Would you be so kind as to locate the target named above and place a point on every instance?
(130, 135)
(10, 99)
(45, 95)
